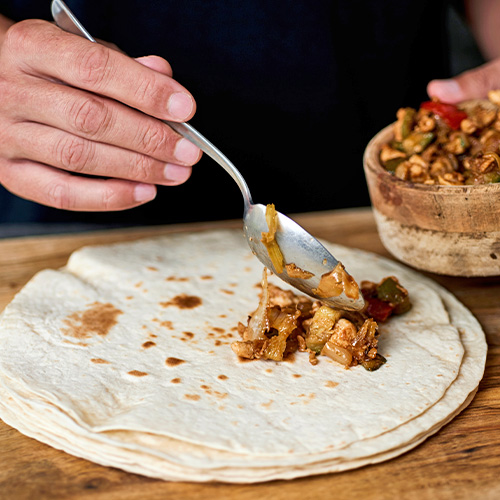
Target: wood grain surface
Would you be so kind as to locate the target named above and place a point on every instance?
(461, 461)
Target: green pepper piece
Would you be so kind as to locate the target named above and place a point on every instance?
(397, 145)
(373, 364)
(389, 290)
(407, 122)
(416, 142)
(491, 177)
(391, 165)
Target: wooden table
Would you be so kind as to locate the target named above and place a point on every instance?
(461, 461)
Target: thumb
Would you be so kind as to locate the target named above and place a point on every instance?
(473, 84)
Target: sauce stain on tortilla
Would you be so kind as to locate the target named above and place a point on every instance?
(98, 319)
(148, 344)
(174, 361)
(192, 397)
(331, 383)
(176, 380)
(99, 361)
(183, 301)
(137, 373)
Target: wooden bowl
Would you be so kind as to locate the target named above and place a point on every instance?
(451, 230)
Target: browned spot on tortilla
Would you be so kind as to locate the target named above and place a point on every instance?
(268, 370)
(222, 315)
(130, 297)
(207, 277)
(165, 323)
(137, 373)
(268, 404)
(189, 335)
(99, 361)
(297, 375)
(183, 301)
(331, 383)
(247, 269)
(148, 344)
(174, 361)
(139, 284)
(227, 292)
(211, 392)
(218, 342)
(218, 330)
(233, 285)
(75, 343)
(222, 377)
(176, 278)
(152, 268)
(98, 319)
(176, 380)
(153, 336)
(192, 397)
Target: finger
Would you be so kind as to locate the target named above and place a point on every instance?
(94, 67)
(156, 63)
(100, 119)
(473, 84)
(51, 146)
(59, 189)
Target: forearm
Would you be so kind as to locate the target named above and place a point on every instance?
(5, 24)
(482, 16)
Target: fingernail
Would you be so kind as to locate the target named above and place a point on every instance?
(446, 89)
(180, 105)
(186, 152)
(144, 192)
(176, 173)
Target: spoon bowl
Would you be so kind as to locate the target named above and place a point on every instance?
(296, 244)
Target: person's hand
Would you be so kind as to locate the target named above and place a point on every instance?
(473, 84)
(69, 106)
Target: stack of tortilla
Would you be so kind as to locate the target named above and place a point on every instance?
(123, 357)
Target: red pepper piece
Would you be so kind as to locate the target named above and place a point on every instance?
(378, 309)
(449, 113)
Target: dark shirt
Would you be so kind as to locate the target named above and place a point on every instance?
(291, 91)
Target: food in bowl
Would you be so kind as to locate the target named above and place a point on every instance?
(444, 144)
(439, 224)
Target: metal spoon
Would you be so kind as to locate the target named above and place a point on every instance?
(296, 244)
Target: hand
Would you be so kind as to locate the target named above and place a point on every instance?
(69, 106)
(473, 84)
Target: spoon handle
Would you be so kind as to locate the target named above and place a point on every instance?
(67, 21)
(190, 133)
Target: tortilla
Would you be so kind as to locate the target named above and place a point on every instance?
(126, 361)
